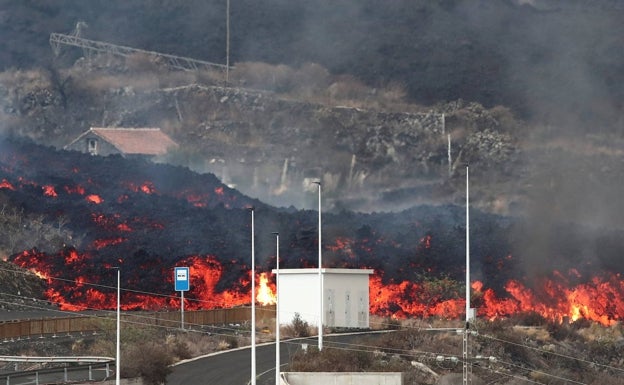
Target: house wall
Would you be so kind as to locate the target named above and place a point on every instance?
(103, 147)
(345, 302)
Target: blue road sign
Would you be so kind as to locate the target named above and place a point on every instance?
(182, 278)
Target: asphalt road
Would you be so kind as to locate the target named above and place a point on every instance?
(233, 367)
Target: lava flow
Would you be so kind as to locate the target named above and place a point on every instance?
(146, 219)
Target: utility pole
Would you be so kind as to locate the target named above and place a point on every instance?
(320, 272)
(277, 313)
(253, 300)
(467, 369)
(118, 333)
(227, 43)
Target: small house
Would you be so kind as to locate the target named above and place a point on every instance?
(345, 299)
(128, 142)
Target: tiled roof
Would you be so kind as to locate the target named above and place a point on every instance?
(147, 141)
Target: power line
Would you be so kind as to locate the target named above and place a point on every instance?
(553, 353)
(349, 347)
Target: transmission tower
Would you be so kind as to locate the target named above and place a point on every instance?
(92, 46)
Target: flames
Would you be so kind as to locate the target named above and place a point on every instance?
(265, 291)
(598, 300)
(88, 292)
(146, 228)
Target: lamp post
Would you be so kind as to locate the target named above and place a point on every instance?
(277, 314)
(117, 339)
(253, 300)
(467, 368)
(320, 272)
(227, 42)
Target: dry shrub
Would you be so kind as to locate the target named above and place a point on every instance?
(562, 331)
(228, 342)
(297, 328)
(142, 62)
(199, 344)
(553, 376)
(25, 80)
(606, 379)
(348, 90)
(149, 360)
(178, 348)
(278, 78)
(393, 93)
(209, 76)
(597, 332)
(505, 118)
(311, 80)
(143, 81)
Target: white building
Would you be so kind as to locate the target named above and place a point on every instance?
(345, 301)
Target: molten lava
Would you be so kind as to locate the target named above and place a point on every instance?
(146, 219)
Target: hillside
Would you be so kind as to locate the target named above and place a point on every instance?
(383, 104)
(544, 59)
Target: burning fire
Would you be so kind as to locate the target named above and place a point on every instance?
(599, 300)
(265, 293)
(126, 220)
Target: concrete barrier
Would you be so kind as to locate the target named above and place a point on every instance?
(343, 378)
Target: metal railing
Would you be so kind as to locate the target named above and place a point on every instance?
(67, 374)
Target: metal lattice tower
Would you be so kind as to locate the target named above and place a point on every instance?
(92, 46)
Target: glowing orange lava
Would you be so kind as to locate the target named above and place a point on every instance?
(94, 198)
(48, 190)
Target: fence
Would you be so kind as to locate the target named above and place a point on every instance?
(29, 328)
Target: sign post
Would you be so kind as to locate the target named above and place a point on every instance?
(182, 280)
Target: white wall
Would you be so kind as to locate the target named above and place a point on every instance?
(299, 293)
(313, 378)
(345, 302)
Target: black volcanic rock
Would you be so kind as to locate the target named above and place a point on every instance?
(150, 217)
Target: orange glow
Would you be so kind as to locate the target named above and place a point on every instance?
(265, 291)
(426, 241)
(6, 184)
(343, 245)
(146, 187)
(102, 243)
(48, 190)
(94, 198)
(39, 274)
(124, 227)
(75, 190)
(196, 200)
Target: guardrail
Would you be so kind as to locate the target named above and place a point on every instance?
(68, 374)
(29, 328)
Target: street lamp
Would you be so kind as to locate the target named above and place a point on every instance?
(253, 300)
(117, 339)
(320, 272)
(227, 42)
(277, 314)
(467, 368)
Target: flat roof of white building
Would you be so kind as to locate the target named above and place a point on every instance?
(325, 271)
